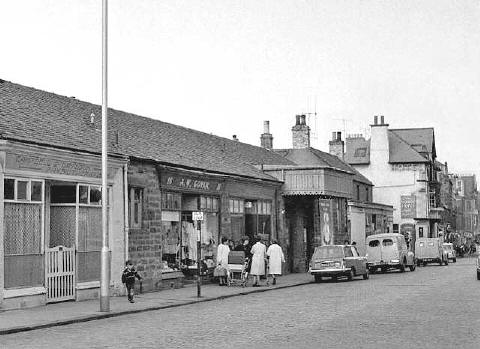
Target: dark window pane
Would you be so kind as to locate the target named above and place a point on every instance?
(36, 191)
(63, 194)
(9, 189)
(387, 242)
(95, 196)
(374, 243)
(83, 194)
(22, 190)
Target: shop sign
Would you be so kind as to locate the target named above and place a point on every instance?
(326, 221)
(408, 206)
(406, 167)
(197, 216)
(191, 183)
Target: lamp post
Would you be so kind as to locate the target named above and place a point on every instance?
(105, 255)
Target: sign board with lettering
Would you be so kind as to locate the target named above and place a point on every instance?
(326, 222)
(197, 216)
(174, 180)
(408, 206)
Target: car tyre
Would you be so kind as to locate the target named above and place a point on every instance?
(334, 278)
(412, 267)
(441, 261)
(478, 274)
(318, 278)
(372, 270)
(402, 267)
(384, 270)
(366, 275)
(351, 274)
(454, 260)
(446, 261)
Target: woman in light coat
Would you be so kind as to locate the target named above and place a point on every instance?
(275, 259)
(222, 259)
(257, 269)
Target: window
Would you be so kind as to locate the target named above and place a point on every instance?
(236, 206)
(374, 243)
(367, 194)
(395, 228)
(209, 203)
(264, 207)
(136, 206)
(358, 192)
(387, 242)
(23, 216)
(432, 199)
(420, 232)
(171, 201)
(23, 190)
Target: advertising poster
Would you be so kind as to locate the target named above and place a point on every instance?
(408, 207)
(326, 221)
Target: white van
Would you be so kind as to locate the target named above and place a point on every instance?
(388, 251)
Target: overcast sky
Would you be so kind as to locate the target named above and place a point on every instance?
(223, 66)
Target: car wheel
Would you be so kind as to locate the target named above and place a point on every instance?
(384, 269)
(418, 263)
(446, 261)
(424, 263)
(334, 278)
(454, 260)
(412, 267)
(440, 261)
(318, 278)
(351, 274)
(372, 270)
(478, 275)
(366, 275)
(402, 267)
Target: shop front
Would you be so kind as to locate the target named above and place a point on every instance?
(51, 224)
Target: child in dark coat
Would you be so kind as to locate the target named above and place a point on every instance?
(128, 278)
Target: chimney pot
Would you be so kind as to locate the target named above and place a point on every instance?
(235, 137)
(382, 120)
(266, 126)
(375, 120)
(298, 120)
(334, 136)
(339, 136)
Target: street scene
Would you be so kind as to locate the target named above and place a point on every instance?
(390, 310)
(226, 173)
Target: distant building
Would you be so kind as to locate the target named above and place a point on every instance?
(467, 206)
(401, 165)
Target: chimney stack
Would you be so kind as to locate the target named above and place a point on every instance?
(375, 120)
(337, 145)
(234, 137)
(266, 138)
(301, 133)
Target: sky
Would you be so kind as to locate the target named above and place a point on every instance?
(224, 66)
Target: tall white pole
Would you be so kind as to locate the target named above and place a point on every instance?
(105, 256)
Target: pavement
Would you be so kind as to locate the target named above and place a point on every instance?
(65, 313)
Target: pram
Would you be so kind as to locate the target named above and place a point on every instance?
(237, 269)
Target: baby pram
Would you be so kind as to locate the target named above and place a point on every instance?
(237, 269)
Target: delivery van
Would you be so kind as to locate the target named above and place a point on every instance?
(388, 251)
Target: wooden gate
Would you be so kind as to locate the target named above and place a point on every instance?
(60, 273)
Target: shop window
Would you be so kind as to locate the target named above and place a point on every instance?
(63, 194)
(22, 190)
(37, 189)
(95, 196)
(209, 203)
(171, 201)
(395, 228)
(136, 205)
(9, 189)
(236, 206)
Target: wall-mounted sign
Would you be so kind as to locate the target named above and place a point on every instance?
(192, 183)
(408, 206)
(197, 216)
(326, 221)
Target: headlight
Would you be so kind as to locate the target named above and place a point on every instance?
(338, 264)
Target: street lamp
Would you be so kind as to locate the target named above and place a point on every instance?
(105, 255)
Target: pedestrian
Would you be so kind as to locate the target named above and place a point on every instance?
(245, 247)
(222, 262)
(257, 268)
(275, 260)
(128, 278)
(346, 242)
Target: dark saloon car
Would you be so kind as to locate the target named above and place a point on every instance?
(337, 260)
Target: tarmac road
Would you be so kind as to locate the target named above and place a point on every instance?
(432, 307)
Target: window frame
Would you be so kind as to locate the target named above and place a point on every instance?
(28, 190)
(131, 205)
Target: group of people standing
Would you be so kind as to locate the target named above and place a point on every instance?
(258, 256)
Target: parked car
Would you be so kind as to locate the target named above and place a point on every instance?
(430, 250)
(451, 254)
(388, 251)
(337, 260)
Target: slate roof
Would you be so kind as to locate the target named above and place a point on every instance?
(405, 146)
(311, 157)
(28, 114)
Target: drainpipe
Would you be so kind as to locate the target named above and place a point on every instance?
(125, 209)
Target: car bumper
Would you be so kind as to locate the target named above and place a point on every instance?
(383, 264)
(330, 272)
